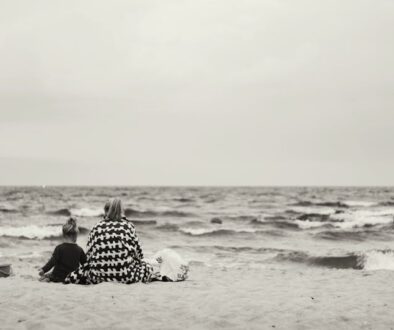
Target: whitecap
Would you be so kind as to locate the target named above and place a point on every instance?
(375, 260)
(360, 218)
(204, 231)
(360, 203)
(31, 231)
(313, 210)
(86, 212)
(310, 224)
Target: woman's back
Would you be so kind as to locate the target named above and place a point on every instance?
(112, 248)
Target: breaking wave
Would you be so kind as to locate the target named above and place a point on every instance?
(64, 212)
(388, 203)
(129, 212)
(232, 249)
(210, 232)
(361, 218)
(83, 212)
(345, 220)
(379, 259)
(370, 260)
(278, 224)
(321, 204)
(317, 217)
(344, 204)
(360, 203)
(7, 210)
(213, 232)
(144, 222)
(321, 210)
(168, 227)
(183, 200)
(359, 235)
(36, 232)
(86, 212)
(348, 261)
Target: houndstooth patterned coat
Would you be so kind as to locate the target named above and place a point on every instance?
(113, 255)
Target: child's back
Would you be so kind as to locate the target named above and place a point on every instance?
(65, 259)
(67, 256)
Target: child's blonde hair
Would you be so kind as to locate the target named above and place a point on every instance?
(70, 229)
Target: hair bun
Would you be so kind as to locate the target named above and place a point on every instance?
(70, 227)
(72, 222)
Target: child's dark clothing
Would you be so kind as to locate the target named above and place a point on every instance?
(66, 258)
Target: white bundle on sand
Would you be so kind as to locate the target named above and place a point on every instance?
(171, 266)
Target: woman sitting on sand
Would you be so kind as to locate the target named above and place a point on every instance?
(113, 252)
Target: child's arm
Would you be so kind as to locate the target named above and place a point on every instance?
(83, 258)
(51, 263)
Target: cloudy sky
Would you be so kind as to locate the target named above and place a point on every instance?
(181, 92)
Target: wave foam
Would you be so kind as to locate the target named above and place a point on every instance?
(52, 231)
(375, 260)
(217, 232)
(83, 212)
(313, 210)
(86, 212)
(359, 203)
(350, 261)
(275, 223)
(369, 260)
(311, 224)
(163, 212)
(361, 218)
(31, 232)
(321, 204)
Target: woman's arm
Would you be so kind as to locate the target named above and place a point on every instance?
(134, 242)
(91, 240)
(138, 248)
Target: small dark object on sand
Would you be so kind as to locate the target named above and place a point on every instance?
(5, 270)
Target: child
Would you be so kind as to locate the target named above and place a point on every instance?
(66, 257)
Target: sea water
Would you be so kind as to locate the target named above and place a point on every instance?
(339, 228)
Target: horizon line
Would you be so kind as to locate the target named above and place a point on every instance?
(195, 186)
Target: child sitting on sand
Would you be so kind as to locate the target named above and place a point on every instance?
(66, 257)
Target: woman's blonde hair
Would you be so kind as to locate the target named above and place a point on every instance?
(115, 210)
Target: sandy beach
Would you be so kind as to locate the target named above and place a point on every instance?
(210, 299)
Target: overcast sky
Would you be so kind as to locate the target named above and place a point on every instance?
(203, 92)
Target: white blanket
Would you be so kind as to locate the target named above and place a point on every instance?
(170, 265)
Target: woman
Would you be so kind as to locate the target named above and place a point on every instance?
(113, 252)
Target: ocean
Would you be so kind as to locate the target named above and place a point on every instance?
(227, 227)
